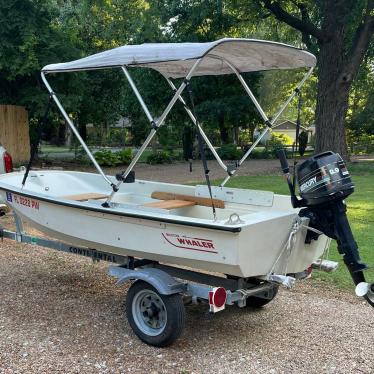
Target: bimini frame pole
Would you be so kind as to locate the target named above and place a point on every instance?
(155, 125)
(193, 119)
(75, 131)
(269, 123)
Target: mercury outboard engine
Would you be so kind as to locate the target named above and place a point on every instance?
(324, 182)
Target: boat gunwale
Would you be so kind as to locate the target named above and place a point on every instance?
(123, 214)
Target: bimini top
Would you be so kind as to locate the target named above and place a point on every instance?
(174, 60)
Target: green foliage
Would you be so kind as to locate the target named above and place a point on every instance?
(30, 38)
(261, 153)
(280, 139)
(36, 33)
(125, 155)
(159, 157)
(230, 152)
(109, 158)
(276, 142)
(360, 144)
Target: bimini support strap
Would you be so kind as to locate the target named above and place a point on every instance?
(35, 145)
(155, 125)
(201, 148)
(298, 124)
(75, 131)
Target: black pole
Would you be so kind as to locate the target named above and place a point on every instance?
(35, 145)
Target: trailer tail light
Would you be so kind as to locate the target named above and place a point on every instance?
(217, 299)
(8, 162)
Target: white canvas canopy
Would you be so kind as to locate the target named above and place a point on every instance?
(174, 60)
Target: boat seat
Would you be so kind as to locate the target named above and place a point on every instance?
(86, 196)
(170, 204)
(203, 201)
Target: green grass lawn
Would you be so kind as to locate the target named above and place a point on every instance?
(360, 213)
(54, 149)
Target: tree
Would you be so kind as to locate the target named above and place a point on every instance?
(340, 32)
(29, 39)
(221, 102)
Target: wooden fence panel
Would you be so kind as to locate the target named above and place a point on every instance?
(14, 132)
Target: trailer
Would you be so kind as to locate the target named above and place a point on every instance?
(156, 300)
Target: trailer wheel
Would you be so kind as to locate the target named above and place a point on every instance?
(258, 302)
(156, 319)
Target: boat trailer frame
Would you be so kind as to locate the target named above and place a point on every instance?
(167, 288)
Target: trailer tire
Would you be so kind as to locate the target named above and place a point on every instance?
(156, 319)
(258, 302)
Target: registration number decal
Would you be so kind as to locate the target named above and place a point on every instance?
(24, 201)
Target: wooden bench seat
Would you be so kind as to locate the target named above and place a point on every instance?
(86, 196)
(203, 201)
(170, 204)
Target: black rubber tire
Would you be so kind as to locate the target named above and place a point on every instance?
(175, 312)
(258, 302)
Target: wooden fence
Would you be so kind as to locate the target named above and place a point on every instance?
(14, 132)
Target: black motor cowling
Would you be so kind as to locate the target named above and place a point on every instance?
(323, 178)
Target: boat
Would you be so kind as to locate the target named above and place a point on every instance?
(248, 230)
(164, 222)
(256, 240)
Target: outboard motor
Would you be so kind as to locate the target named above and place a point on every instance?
(324, 182)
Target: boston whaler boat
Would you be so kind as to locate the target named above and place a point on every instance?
(170, 238)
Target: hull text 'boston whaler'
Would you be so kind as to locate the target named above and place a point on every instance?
(170, 238)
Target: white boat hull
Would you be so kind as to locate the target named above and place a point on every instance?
(246, 250)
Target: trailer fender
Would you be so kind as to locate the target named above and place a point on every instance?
(164, 283)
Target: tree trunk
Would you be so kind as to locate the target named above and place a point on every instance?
(332, 100)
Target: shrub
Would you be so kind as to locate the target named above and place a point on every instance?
(277, 142)
(159, 157)
(107, 158)
(260, 153)
(229, 152)
(125, 156)
(280, 138)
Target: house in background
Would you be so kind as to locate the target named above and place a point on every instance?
(122, 123)
(289, 128)
(286, 128)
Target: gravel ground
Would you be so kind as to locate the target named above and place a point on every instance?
(63, 314)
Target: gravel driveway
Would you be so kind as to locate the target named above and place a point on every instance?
(61, 313)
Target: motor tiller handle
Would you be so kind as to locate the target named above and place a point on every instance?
(283, 160)
(286, 170)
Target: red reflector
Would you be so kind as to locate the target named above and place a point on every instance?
(8, 162)
(210, 294)
(219, 297)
